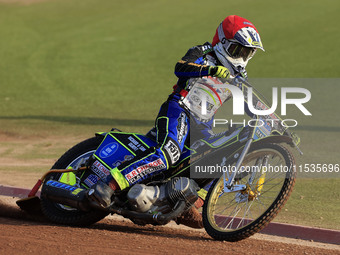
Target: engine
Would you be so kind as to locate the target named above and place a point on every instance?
(163, 198)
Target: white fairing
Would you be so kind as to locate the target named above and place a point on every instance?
(208, 90)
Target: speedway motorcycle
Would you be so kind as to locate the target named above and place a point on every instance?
(238, 202)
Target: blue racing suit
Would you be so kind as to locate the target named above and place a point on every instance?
(172, 124)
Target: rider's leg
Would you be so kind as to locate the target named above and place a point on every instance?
(172, 125)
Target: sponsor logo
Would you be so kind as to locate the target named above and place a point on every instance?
(173, 151)
(91, 180)
(206, 49)
(209, 106)
(182, 127)
(195, 99)
(247, 23)
(100, 170)
(119, 162)
(261, 106)
(259, 133)
(108, 150)
(143, 170)
(135, 145)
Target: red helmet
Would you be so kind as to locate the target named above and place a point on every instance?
(236, 40)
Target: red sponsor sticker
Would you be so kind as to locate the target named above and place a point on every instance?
(145, 169)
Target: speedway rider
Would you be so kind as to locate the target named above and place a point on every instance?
(235, 42)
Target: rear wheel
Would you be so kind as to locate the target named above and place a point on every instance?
(233, 216)
(62, 214)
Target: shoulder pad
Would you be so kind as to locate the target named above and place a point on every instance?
(206, 48)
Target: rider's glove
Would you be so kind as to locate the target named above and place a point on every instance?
(219, 71)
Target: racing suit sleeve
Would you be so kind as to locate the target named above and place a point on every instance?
(192, 64)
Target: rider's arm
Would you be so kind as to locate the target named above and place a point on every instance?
(192, 64)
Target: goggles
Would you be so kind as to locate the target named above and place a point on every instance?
(236, 50)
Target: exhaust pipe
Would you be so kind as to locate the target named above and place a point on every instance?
(66, 194)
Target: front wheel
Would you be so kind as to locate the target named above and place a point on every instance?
(62, 214)
(269, 175)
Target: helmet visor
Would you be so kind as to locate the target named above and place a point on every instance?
(236, 50)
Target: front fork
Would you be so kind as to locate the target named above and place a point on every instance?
(252, 193)
(229, 185)
(261, 164)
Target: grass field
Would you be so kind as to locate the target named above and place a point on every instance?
(71, 68)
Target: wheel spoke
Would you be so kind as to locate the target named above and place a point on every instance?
(238, 210)
(245, 213)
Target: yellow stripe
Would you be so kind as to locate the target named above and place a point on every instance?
(166, 161)
(102, 162)
(120, 179)
(209, 94)
(68, 178)
(139, 139)
(202, 193)
(123, 145)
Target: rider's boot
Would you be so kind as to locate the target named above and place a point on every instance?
(192, 217)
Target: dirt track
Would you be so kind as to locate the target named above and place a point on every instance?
(22, 234)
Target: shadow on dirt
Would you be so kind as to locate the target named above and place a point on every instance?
(152, 231)
(9, 209)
